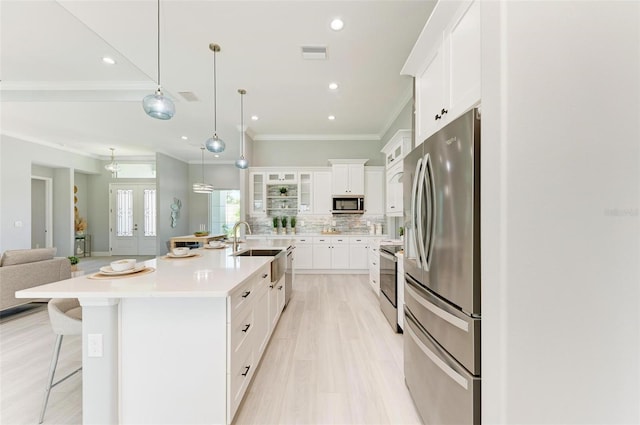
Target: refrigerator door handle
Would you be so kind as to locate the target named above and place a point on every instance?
(455, 376)
(415, 234)
(431, 211)
(447, 317)
(418, 217)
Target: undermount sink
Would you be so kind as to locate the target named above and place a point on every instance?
(258, 253)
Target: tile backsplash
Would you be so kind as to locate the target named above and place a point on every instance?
(307, 224)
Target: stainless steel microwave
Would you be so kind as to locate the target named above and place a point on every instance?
(348, 204)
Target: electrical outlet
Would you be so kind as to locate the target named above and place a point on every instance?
(94, 345)
(17, 223)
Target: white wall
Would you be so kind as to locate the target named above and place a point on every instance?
(560, 212)
(16, 159)
(172, 182)
(222, 177)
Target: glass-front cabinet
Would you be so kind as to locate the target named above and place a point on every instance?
(305, 192)
(282, 177)
(258, 205)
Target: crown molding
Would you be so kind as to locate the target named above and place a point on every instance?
(315, 137)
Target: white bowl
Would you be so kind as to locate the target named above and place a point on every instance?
(216, 244)
(122, 265)
(180, 251)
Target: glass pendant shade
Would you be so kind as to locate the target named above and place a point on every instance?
(242, 163)
(158, 106)
(215, 144)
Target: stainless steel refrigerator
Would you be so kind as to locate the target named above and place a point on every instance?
(441, 184)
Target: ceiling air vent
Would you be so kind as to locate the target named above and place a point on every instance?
(188, 96)
(314, 52)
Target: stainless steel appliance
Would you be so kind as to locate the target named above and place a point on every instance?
(389, 284)
(345, 204)
(441, 184)
(289, 275)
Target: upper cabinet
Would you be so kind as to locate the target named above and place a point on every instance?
(258, 205)
(397, 147)
(445, 62)
(374, 193)
(284, 177)
(322, 192)
(347, 176)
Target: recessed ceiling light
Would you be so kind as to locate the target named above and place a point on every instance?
(331, 117)
(337, 24)
(333, 86)
(255, 117)
(216, 155)
(108, 60)
(184, 138)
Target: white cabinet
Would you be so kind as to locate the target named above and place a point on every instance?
(446, 64)
(322, 192)
(394, 199)
(304, 253)
(358, 253)
(397, 147)
(374, 265)
(248, 334)
(374, 191)
(287, 177)
(257, 196)
(276, 301)
(348, 179)
(330, 253)
(305, 192)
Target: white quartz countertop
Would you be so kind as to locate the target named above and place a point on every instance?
(214, 273)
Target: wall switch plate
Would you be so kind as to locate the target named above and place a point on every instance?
(94, 345)
(17, 223)
(301, 223)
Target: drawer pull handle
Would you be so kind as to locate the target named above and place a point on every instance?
(246, 327)
(246, 294)
(264, 275)
(280, 287)
(271, 286)
(246, 372)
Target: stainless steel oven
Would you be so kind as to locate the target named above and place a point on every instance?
(389, 284)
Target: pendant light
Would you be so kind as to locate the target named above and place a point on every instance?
(214, 143)
(156, 105)
(242, 163)
(202, 187)
(114, 167)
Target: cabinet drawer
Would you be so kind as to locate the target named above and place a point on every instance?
(242, 328)
(304, 241)
(322, 240)
(241, 370)
(358, 240)
(339, 240)
(242, 296)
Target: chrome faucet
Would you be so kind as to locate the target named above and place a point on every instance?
(235, 233)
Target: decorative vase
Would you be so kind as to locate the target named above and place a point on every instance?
(293, 230)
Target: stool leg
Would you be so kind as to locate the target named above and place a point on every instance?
(52, 371)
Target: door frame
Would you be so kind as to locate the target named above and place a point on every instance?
(111, 207)
(48, 209)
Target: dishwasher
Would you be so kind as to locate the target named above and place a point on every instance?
(289, 275)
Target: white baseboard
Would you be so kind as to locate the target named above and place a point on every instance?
(100, 254)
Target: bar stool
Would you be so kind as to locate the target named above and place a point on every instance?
(65, 315)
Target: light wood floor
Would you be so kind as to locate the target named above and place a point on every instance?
(333, 359)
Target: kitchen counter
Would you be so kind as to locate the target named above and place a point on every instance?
(157, 347)
(215, 273)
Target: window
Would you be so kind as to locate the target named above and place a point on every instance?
(136, 171)
(224, 211)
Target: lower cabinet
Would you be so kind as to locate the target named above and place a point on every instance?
(358, 253)
(254, 309)
(331, 253)
(304, 253)
(374, 266)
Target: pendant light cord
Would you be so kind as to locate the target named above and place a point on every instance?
(242, 123)
(159, 44)
(215, 94)
(202, 151)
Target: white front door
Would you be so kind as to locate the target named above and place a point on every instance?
(133, 219)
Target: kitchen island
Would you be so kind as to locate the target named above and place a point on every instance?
(179, 344)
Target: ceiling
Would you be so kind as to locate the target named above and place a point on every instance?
(56, 90)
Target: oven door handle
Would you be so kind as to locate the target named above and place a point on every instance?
(388, 256)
